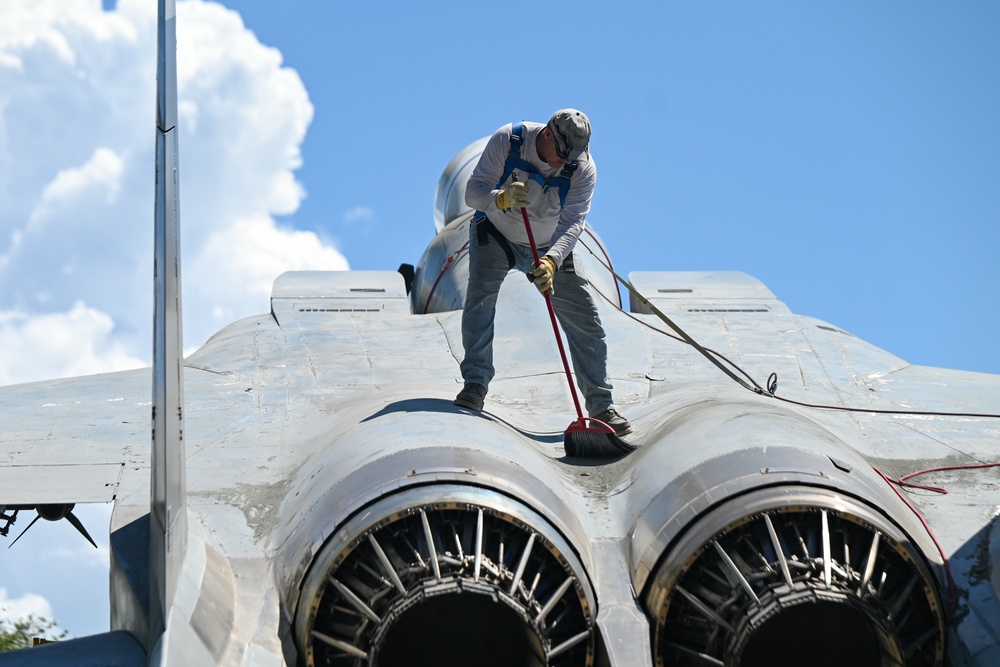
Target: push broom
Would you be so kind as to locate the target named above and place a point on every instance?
(599, 440)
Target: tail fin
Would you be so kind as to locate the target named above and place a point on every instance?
(168, 509)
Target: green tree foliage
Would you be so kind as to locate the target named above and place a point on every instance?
(20, 633)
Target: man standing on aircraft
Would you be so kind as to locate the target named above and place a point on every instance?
(548, 170)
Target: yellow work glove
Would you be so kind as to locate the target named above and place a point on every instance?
(544, 272)
(513, 196)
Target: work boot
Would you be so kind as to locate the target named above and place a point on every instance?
(471, 396)
(615, 421)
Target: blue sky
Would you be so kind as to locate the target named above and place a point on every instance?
(845, 154)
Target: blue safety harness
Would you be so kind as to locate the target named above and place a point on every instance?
(515, 161)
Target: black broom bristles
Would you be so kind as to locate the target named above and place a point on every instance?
(599, 442)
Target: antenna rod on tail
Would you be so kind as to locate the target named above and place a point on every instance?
(168, 509)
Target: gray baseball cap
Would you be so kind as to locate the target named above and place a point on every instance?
(571, 129)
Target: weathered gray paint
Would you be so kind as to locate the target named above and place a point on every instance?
(293, 428)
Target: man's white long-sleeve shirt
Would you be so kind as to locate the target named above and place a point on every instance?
(552, 226)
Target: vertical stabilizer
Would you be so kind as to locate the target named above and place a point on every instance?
(168, 512)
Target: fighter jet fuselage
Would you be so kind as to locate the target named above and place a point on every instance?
(343, 512)
(313, 497)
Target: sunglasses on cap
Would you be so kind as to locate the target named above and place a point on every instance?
(562, 143)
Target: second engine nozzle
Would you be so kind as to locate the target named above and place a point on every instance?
(446, 575)
(793, 575)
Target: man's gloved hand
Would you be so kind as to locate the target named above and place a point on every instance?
(514, 195)
(544, 272)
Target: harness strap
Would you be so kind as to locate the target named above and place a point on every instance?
(484, 227)
(515, 161)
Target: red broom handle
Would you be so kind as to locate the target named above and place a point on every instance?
(552, 317)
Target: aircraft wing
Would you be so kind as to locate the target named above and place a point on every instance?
(70, 443)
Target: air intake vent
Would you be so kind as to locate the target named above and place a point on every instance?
(340, 310)
(722, 292)
(297, 296)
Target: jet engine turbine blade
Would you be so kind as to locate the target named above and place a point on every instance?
(446, 575)
(795, 576)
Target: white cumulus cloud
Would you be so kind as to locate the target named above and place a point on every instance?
(71, 189)
(29, 604)
(77, 90)
(77, 342)
(77, 119)
(359, 215)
